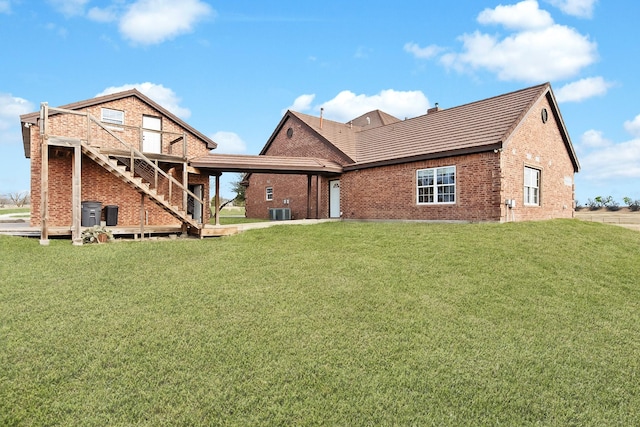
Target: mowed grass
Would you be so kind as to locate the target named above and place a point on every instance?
(333, 324)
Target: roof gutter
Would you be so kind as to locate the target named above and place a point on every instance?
(422, 157)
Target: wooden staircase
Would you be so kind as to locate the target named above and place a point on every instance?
(136, 182)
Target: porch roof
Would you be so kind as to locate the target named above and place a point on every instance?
(266, 164)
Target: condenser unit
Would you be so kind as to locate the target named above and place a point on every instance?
(279, 214)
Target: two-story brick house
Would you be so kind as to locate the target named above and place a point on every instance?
(122, 150)
(504, 158)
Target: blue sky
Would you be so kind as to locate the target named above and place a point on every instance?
(231, 69)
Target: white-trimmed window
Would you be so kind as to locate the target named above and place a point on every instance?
(115, 117)
(436, 185)
(531, 186)
(269, 193)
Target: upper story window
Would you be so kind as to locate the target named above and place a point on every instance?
(437, 185)
(531, 186)
(269, 193)
(115, 117)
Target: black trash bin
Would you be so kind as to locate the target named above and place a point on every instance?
(90, 213)
(111, 215)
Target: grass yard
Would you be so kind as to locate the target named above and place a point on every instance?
(339, 323)
(6, 211)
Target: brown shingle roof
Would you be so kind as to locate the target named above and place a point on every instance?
(33, 117)
(474, 127)
(341, 135)
(266, 164)
(478, 125)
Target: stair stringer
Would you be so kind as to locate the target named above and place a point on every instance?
(138, 184)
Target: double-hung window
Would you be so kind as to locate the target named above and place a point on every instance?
(436, 185)
(269, 193)
(531, 186)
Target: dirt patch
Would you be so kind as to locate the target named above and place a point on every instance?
(623, 217)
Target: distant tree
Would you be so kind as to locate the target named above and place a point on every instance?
(19, 198)
(239, 189)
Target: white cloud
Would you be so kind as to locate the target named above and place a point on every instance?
(579, 8)
(69, 7)
(534, 49)
(5, 6)
(614, 162)
(107, 14)
(301, 103)
(347, 105)
(521, 16)
(594, 139)
(229, 143)
(609, 161)
(422, 52)
(11, 108)
(160, 94)
(154, 21)
(633, 126)
(551, 53)
(583, 89)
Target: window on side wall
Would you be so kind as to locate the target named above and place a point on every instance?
(436, 185)
(531, 186)
(269, 193)
(115, 117)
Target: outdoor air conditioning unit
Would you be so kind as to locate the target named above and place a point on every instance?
(279, 214)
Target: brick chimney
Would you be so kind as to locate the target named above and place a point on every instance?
(434, 109)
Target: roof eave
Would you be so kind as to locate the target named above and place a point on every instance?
(425, 156)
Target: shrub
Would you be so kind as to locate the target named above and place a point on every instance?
(613, 206)
(594, 204)
(634, 205)
(96, 234)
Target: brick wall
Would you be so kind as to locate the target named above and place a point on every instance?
(538, 145)
(99, 184)
(390, 192)
(483, 180)
(303, 143)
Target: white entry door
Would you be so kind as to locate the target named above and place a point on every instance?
(151, 136)
(334, 199)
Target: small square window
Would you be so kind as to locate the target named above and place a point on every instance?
(115, 117)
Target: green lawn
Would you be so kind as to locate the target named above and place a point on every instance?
(339, 323)
(25, 211)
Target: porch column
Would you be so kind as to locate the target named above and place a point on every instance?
(141, 216)
(44, 175)
(76, 195)
(308, 196)
(217, 199)
(317, 196)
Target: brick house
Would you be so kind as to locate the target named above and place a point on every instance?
(121, 150)
(506, 158)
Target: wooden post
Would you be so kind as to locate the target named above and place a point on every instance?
(317, 196)
(141, 216)
(217, 202)
(76, 195)
(44, 175)
(185, 184)
(308, 196)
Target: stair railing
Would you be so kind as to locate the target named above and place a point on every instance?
(133, 152)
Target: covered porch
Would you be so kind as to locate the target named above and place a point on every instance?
(216, 164)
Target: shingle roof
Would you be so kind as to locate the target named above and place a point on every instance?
(33, 117)
(341, 135)
(477, 126)
(266, 164)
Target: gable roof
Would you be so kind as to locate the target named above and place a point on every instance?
(475, 127)
(32, 118)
